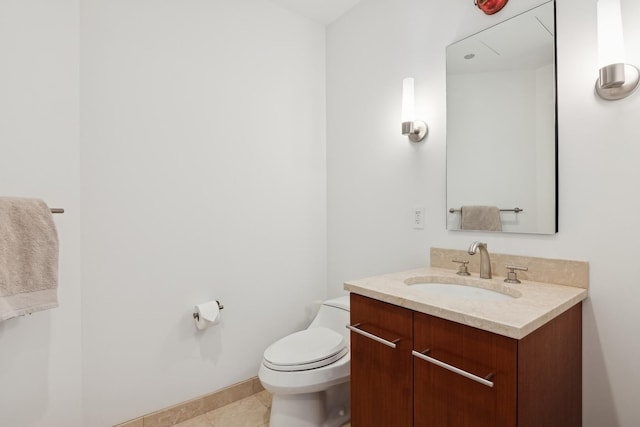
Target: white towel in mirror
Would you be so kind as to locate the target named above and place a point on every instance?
(483, 218)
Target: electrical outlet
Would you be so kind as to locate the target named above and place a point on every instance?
(417, 218)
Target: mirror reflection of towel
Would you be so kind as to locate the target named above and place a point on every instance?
(484, 218)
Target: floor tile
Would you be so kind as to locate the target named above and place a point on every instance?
(248, 412)
(252, 411)
(265, 398)
(200, 421)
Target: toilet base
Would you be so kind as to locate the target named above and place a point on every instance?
(327, 408)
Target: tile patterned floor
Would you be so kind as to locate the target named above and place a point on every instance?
(252, 411)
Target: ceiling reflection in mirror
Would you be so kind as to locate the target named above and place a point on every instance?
(501, 126)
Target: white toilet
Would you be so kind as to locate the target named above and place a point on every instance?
(307, 372)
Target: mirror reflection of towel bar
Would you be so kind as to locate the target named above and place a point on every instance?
(516, 210)
(57, 210)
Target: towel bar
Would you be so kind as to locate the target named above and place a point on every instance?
(516, 210)
(57, 210)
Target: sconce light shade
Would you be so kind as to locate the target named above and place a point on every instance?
(610, 38)
(415, 129)
(616, 79)
(408, 100)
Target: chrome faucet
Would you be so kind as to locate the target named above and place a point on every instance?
(485, 262)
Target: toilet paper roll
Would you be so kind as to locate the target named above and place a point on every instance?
(206, 314)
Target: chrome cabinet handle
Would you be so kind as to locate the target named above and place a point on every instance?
(354, 328)
(451, 368)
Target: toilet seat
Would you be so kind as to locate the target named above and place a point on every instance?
(308, 349)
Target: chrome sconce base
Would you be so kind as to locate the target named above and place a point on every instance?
(416, 130)
(617, 81)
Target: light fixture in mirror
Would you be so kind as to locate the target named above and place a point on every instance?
(501, 123)
(616, 79)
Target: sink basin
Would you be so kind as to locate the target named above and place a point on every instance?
(461, 291)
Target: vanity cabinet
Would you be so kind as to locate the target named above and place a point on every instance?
(445, 374)
(381, 376)
(444, 397)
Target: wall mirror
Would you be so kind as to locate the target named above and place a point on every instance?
(502, 123)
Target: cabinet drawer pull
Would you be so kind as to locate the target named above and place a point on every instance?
(354, 328)
(448, 367)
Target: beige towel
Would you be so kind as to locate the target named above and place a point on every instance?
(28, 257)
(483, 218)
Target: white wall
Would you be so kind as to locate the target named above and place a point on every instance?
(376, 175)
(40, 354)
(203, 176)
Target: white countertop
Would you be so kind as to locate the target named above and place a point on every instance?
(533, 305)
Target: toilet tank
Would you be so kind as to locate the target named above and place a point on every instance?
(334, 314)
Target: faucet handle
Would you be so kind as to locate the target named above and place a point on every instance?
(462, 269)
(512, 276)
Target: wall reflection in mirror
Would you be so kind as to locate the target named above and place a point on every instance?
(501, 126)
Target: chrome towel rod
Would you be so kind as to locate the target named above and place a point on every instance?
(516, 210)
(57, 210)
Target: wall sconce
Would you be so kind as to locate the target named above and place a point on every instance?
(416, 129)
(617, 80)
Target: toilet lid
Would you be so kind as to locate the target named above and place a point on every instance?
(308, 349)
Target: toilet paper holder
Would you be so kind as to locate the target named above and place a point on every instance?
(197, 316)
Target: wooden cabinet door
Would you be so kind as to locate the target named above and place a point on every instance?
(443, 398)
(381, 376)
(550, 373)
